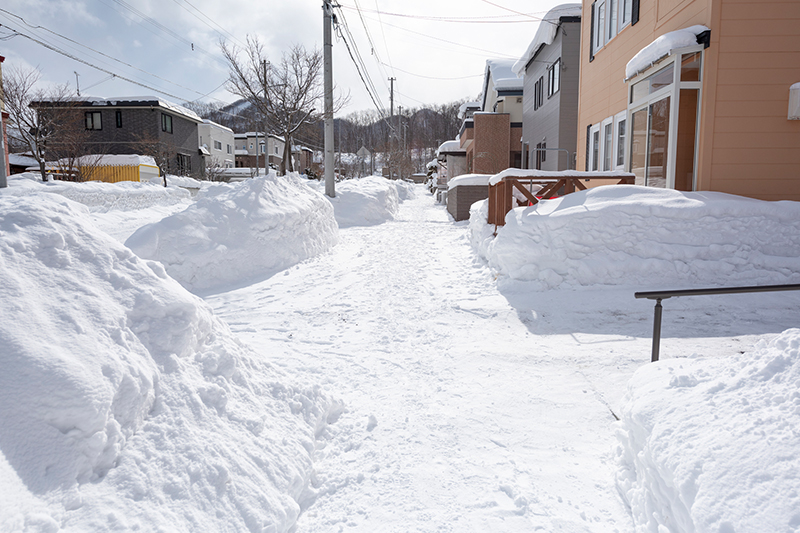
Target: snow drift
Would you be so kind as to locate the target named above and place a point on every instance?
(101, 197)
(624, 234)
(237, 233)
(124, 403)
(710, 444)
(366, 201)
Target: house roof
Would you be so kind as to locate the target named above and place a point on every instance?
(124, 101)
(215, 125)
(449, 147)
(503, 78)
(546, 33)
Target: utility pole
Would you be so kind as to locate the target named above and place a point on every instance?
(327, 10)
(391, 124)
(77, 83)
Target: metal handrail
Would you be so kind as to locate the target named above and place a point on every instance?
(663, 295)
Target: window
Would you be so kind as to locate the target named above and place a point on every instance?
(664, 109)
(554, 78)
(94, 120)
(538, 93)
(166, 123)
(217, 145)
(276, 148)
(594, 146)
(229, 148)
(184, 164)
(609, 17)
(119, 118)
(621, 122)
(608, 139)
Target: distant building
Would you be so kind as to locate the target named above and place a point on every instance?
(137, 125)
(250, 144)
(550, 69)
(216, 144)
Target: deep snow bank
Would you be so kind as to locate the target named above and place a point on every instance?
(124, 403)
(644, 236)
(101, 197)
(366, 201)
(234, 233)
(710, 444)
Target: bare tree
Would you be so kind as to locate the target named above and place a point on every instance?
(27, 126)
(287, 93)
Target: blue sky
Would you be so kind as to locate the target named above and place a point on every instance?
(435, 50)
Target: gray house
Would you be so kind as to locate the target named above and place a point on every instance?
(145, 125)
(550, 68)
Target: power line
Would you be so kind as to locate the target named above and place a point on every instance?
(460, 20)
(436, 78)
(208, 18)
(540, 19)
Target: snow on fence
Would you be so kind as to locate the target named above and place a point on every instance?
(503, 186)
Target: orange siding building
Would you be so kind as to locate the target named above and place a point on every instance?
(711, 114)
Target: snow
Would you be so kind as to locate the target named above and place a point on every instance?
(582, 239)
(122, 100)
(124, 403)
(366, 201)
(554, 174)
(545, 34)
(469, 179)
(662, 47)
(234, 234)
(397, 381)
(710, 443)
(448, 147)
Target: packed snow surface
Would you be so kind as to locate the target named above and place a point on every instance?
(400, 382)
(366, 201)
(661, 48)
(624, 234)
(236, 233)
(124, 403)
(711, 443)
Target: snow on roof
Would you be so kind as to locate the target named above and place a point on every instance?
(499, 70)
(466, 106)
(661, 48)
(215, 125)
(22, 160)
(546, 33)
(449, 147)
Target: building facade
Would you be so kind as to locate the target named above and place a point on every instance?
(550, 69)
(217, 143)
(692, 94)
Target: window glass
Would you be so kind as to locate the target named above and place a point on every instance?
(612, 18)
(94, 120)
(625, 12)
(119, 118)
(639, 144)
(608, 138)
(595, 149)
(166, 123)
(690, 67)
(657, 139)
(685, 140)
(601, 25)
(620, 143)
(662, 78)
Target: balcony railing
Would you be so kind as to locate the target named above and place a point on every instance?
(548, 185)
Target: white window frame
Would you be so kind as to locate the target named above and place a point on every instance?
(594, 144)
(673, 91)
(620, 117)
(608, 122)
(554, 78)
(616, 16)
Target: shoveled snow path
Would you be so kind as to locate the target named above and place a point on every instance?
(457, 417)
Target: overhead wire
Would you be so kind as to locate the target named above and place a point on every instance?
(460, 20)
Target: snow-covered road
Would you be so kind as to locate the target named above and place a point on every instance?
(458, 415)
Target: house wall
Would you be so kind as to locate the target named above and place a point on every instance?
(745, 144)
(556, 121)
(492, 144)
(749, 147)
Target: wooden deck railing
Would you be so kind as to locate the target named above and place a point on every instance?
(501, 194)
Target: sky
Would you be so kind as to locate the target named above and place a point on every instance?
(436, 51)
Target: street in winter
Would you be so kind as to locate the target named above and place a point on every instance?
(405, 375)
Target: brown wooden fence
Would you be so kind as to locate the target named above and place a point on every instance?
(501, 194)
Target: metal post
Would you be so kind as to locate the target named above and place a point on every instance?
(656, 331)
(330, 187)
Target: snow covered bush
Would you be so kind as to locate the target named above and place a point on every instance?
(624, 234)
(240, 232)
(124, 403)
(710, 444)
